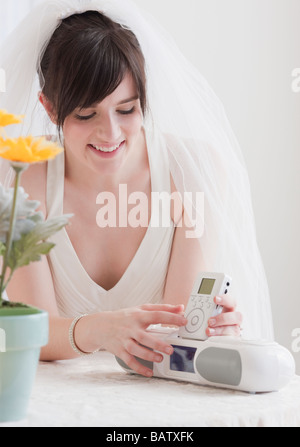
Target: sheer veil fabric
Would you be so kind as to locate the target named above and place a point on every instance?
(188, 121)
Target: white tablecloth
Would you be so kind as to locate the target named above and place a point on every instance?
(96, 392)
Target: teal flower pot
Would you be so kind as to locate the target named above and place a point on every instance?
(23, 331)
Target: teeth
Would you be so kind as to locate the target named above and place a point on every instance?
(104, 149)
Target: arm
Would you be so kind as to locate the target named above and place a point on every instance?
(186, 259)
(186, 262)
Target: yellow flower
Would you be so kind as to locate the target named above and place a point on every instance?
(6, 119)
(28, 149)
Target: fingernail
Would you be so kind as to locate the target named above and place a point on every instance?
(218, 299)
(169, 351)
(212, 322)
(211, 331)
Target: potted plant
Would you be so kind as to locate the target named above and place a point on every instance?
(23, 239)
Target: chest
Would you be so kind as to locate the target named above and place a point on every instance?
(107, 231)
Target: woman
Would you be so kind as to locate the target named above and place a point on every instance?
(128, 118)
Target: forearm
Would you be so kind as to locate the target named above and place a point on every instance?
(89, 333)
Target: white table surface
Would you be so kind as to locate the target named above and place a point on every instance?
(95, 392)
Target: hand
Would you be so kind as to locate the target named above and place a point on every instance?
(127, 337)
(228, 322)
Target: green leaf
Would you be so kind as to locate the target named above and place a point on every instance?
(23, 252)
(32, 245)
(43, 230)
(20, 258)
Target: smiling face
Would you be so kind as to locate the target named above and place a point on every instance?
(103, 136)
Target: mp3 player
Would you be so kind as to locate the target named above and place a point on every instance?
(201, 305)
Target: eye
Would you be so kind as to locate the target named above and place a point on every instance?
(84, 118)
(126, 112)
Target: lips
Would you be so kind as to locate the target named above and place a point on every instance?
(105, 150)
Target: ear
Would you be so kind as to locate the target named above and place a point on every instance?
(48, 107)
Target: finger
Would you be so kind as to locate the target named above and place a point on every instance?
(161, 317)
(227, 301)
(135, 365)
(154, 343)
(226, 319)
(164, 307)
(143, 352)
(234, 331)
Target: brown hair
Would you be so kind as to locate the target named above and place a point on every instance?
(86, 59)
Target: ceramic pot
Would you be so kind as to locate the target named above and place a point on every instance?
(23, 331)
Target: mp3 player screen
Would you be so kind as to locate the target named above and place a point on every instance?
(206, 286)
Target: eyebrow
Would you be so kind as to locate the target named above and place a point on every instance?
(125, 101)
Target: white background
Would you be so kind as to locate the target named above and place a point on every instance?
(247, 49)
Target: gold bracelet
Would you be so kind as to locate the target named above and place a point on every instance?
(72, 338)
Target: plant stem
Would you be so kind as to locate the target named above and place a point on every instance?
(10, 233)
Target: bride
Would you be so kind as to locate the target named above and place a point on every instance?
(129, 110)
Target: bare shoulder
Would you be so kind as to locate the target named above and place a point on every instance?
(34, 182)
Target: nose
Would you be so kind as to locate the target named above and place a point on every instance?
(108, 129)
